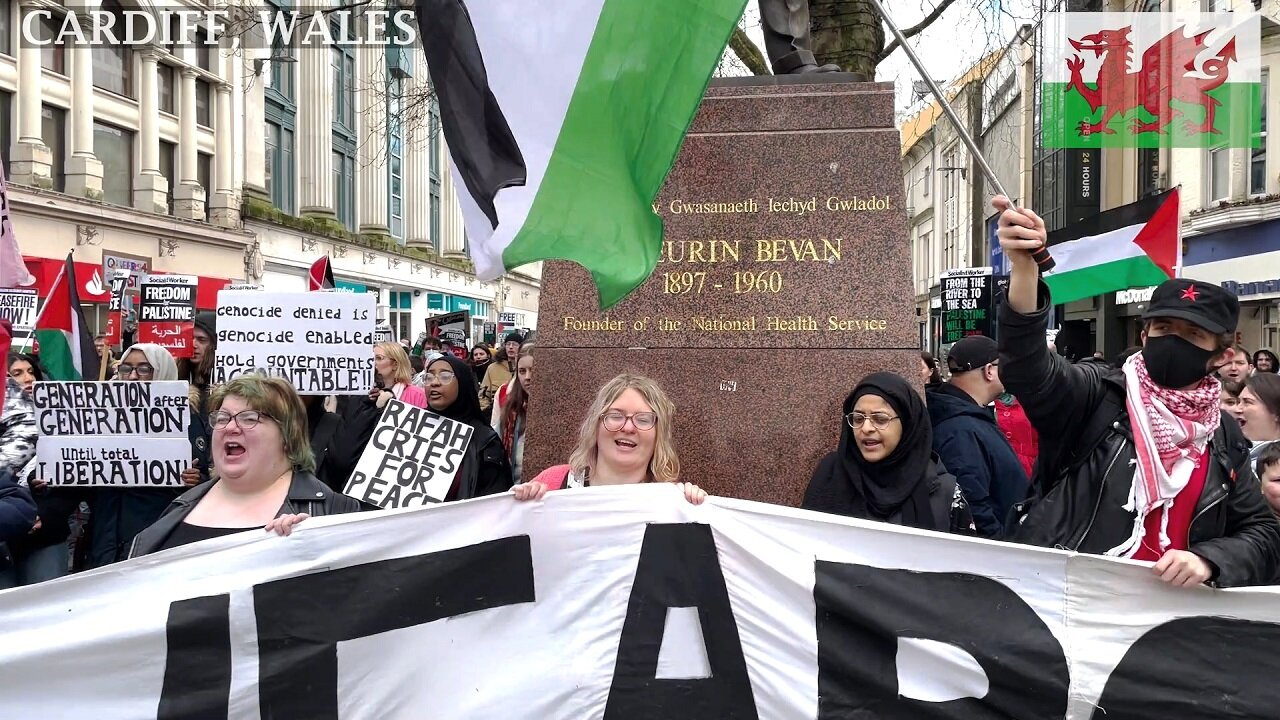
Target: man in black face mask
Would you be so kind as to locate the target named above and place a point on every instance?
(1136, 462)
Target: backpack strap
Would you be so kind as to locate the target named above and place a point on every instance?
(1110, 416)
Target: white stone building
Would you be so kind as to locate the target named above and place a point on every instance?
(236, 165)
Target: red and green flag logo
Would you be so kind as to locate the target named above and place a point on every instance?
(1152, 80)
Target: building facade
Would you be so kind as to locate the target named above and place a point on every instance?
(239, 165)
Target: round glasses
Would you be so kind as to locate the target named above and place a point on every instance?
(878, 420)
(246, 419)
(615, 420)
(144, 371)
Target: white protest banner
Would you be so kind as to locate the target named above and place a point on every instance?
(114, 433)
(18, 306)
(167, 313)
(411, 459)
(322, 342)
(631, 604)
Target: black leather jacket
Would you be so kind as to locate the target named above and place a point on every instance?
(306, 495)
(1079, 501)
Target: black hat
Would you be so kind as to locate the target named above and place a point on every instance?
(1202, 303)
(207, 320)
(514, 337)
(971, 353)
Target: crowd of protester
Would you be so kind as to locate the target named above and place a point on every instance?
(1170, 454)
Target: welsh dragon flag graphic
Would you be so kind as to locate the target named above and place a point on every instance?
(1152, 80)
(66, 345)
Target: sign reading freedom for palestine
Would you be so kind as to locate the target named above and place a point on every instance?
(632, 604)
(167, 313)
(411, 459)
(116, 433)
(321, 342)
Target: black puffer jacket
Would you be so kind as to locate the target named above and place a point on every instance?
(1087, 462)
(306, 495)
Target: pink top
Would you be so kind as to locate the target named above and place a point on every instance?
(553, 477)
(410, 395)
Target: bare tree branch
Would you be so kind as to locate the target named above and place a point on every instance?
(915, 29)
(748, 53)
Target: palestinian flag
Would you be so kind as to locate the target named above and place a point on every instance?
(66, 345)
(321, 275)
(1134, 245)
(1152, 79)
(563, 118)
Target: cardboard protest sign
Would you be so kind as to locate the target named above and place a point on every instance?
(453, 328)
(411, 459)
(18, 306)
(966, 303)
(321, 342)
(167, 313)
(115, 309)
(119, 433)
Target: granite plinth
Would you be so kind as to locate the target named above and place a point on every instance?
(784, 277)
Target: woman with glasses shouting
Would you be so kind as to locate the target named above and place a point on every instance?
(452, 392)
(884, 468)
(264, 471)
(626, 439)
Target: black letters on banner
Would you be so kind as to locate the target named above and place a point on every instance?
(679, 567)
(863, 611)
(197, 668)
(1196, 668)
(302, 619)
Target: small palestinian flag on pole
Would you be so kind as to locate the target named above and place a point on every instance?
(321, 275)
(1152, 79)
(1134, 245)
(66, 345)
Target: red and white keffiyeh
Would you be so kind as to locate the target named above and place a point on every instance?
(1171, 429)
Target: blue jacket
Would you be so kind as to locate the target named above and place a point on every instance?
(970, 444)
(17, 509)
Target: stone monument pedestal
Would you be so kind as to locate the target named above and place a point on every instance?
(784, 278)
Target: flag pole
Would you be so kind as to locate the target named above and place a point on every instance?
(1177, 265)
(1041, 256)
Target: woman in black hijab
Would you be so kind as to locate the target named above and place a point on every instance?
(884, 468)
(452, 392)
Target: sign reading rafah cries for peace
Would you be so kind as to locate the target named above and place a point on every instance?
(411, 459)
(628, 603)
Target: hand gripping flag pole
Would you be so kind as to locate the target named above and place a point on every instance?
(1041, 256)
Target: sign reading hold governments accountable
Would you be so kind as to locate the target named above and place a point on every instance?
(966, 303)
(167, 313)
(321, 342)
(631, 604)
(114, 433)
(411, 459)
(18, 306)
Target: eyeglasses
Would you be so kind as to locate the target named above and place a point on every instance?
(444, 377)
(615, 420)
(143, 370)
(878, 420)
(246, 419)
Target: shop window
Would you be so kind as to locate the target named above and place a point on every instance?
(114, 148)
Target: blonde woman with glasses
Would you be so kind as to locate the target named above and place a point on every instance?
(627, 438)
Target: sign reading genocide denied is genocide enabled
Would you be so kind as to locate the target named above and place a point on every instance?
(411, 459)
(321, 342)
(966, 303)
(112, 433)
